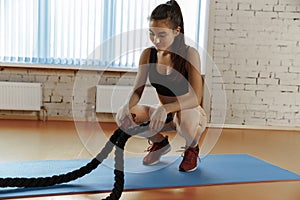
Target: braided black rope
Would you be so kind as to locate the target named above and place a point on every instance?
(119, 168)
(118, 139)
(63, 178)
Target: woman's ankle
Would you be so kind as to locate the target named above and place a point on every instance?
(157, 138)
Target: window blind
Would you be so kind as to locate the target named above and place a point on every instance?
(97, 33)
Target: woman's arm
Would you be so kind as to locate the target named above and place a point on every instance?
(141, 78)
(194, 97)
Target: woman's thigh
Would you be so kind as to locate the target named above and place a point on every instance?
(190, 119)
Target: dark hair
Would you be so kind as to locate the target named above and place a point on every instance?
(171, 12)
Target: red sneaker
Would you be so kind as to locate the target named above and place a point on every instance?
(190, 159)
(156, 150)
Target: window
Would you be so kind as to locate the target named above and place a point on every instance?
(19, 30)
(94, 33)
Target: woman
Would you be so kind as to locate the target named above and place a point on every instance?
(173, 68)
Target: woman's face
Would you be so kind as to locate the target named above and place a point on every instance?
(161, 34)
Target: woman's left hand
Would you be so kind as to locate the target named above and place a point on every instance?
(158, 118)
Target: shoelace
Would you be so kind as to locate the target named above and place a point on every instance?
(183, 149)
(152, 145)
(149, 149)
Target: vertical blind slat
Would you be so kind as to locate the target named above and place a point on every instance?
(1, 28)
(8, 32)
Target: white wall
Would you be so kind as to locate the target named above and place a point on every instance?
(256, 47)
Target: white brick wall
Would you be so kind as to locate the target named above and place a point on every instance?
(67, 94)
(256, 47)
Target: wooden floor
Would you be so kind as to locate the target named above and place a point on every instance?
(33, 140)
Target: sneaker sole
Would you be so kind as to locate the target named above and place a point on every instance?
(163, 153)
(191, 170)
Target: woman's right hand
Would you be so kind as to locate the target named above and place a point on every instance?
(124, 118)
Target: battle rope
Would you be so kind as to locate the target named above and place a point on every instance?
(118, 139)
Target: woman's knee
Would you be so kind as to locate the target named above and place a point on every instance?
(142, 113)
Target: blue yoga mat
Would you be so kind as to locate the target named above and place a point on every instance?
(213, 170)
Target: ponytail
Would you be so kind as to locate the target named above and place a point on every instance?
(171, 11)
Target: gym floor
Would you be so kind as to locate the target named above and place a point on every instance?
(24, 140)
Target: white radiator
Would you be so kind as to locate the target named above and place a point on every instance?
(109, 98)
(20, 96)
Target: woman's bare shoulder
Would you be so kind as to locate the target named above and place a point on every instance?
(193, 57)
(192, 52)
(144, 58)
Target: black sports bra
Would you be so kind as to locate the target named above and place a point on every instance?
(174, 84)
